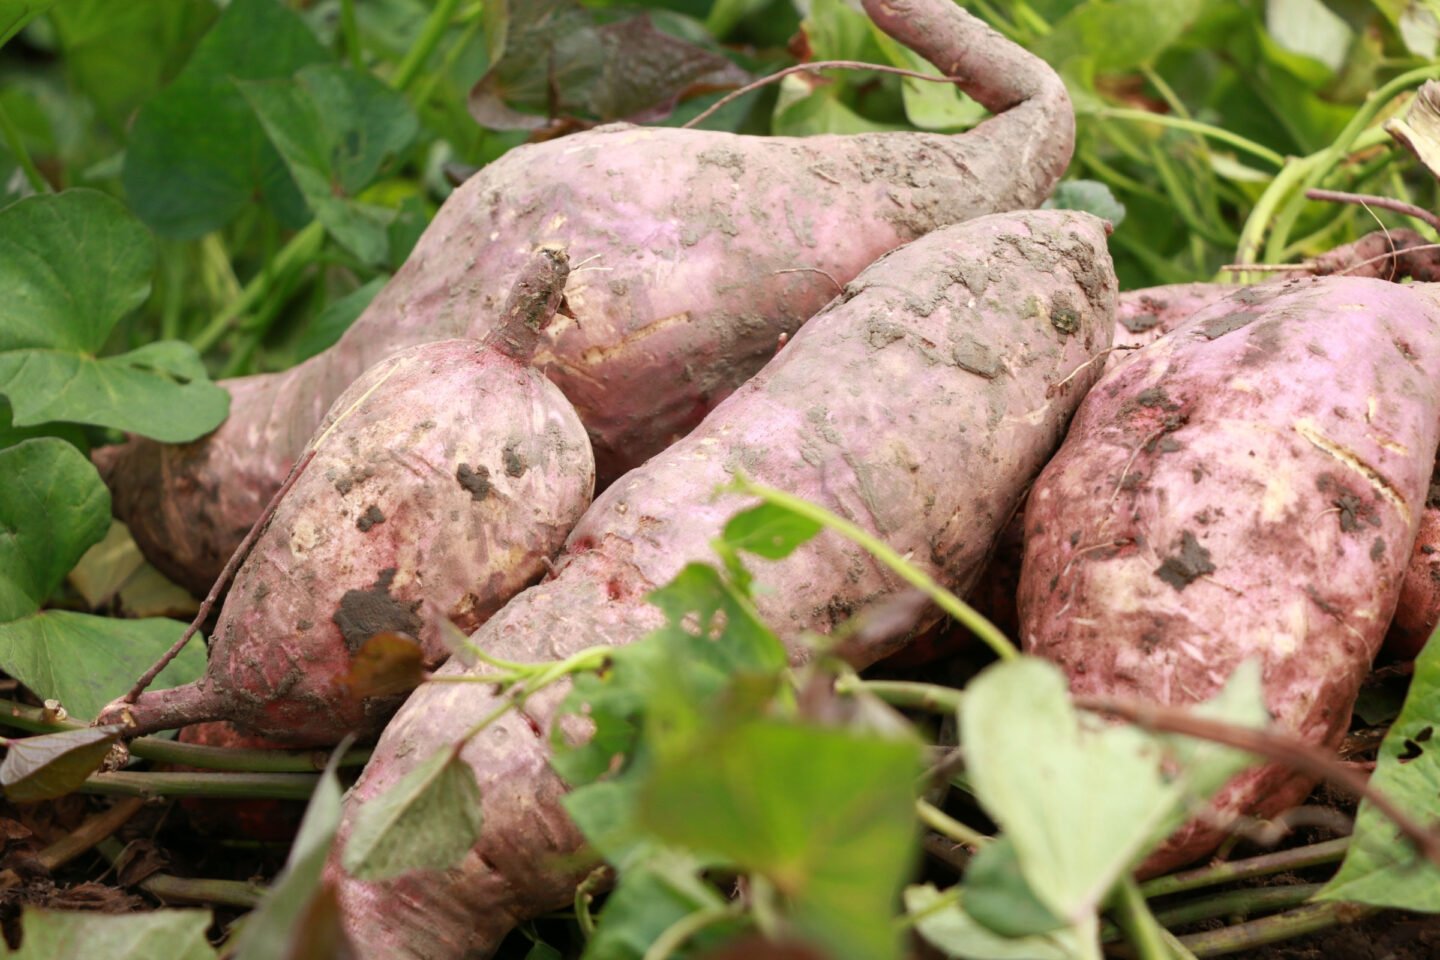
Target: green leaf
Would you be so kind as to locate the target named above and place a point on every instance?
(54, 764)
(1382, 867)
(769, 531)
(1091, 196)
(271, 930)
(428, 820)
(825, 815)
(197, 155)
(647, 901)
(99, 38)
(799, 112)
(1082, 803)
(327, 328)
(160, 390)
(85, 662)
(612, 703)
(725, 14)
(335, 127)
(997, 896)
(668, 686)
(930, 105)
(1309, 28)
(72, 265)
(1117, 36)
(53, 507)
(946, 926)
(172, 934)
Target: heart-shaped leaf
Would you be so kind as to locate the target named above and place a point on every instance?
(1080, 803)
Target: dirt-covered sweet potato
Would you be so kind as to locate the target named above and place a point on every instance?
(1247, 487)
(694, 251)
(443, 479)
(917, 404)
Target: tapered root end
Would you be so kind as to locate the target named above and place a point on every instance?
(163, 710)
(1033, 119)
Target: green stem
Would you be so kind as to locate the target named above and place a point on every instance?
(255, 330)
(160, 750)
(1176, 105)
(1238, 904)
(929, 697)
(1298, 858)
(992, 16)
(473, 25)
(947, 826)
(764, 908)
(172, 889)
(294, 256)
(595, 882)
(1195, 126)
(237, 786)
(1284, 926)
(430, 35)
(16, 145)
(1287, 183)
(904, 569)
(678, 933)
(351, 33)
(1331, 156)
(1139, 924)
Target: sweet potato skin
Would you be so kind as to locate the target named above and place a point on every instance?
(917, 404)
(1418, 610)
(1144, 316)
(695, 251)
(1248, 486)
(451, 475)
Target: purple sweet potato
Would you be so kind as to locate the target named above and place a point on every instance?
(1144, 316)
(1417, 612)
(1247, 487)
(694, 251)
(447, 476)
(917, 404)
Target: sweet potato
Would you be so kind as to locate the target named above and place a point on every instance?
(918, 404)
(1417, 612)
(447, 474)
(1144, 316)
(695, 250)
(1247, 487)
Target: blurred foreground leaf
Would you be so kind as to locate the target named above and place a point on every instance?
(1382, 867)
